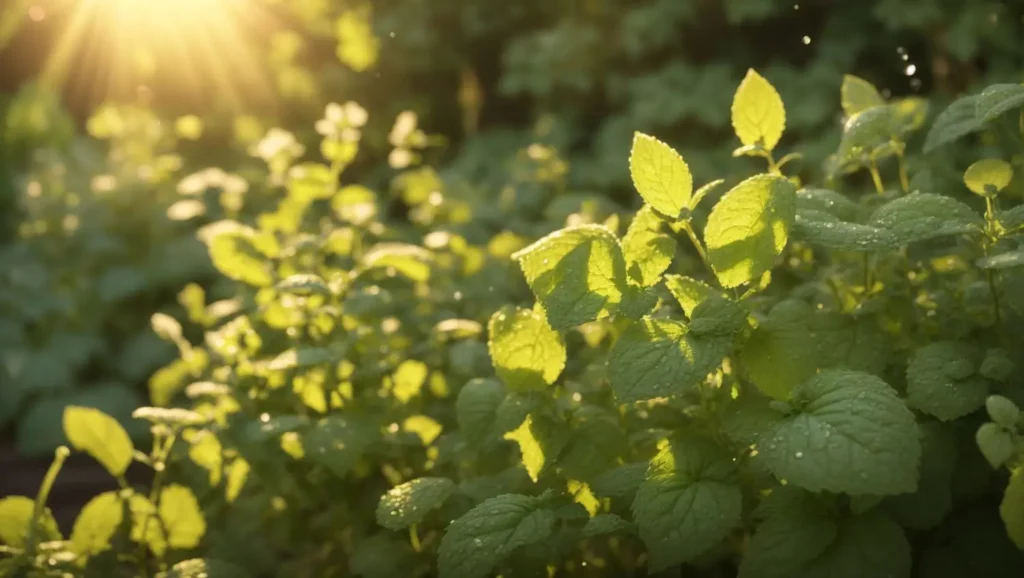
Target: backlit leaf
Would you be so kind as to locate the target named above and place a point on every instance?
(100, 436)
(749, 227)
(527, 353)
(578, 274)
(758, 115)
(660, 175)
(858, 94)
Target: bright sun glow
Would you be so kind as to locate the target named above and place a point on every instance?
(115, 46)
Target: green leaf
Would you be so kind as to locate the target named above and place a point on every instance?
(1008, 260)
(358, 47)
(96, 524)
(409, 260)
(869, 134)
(922, 216)
(578, 274)
(100, 436)
(941, 380)
(748, 228)
(1002, 411)
(958, 120)
(605, 524)
(823, 229)
(16, 517)
(688, 503)
(998, 99)
(526, 352)
(758, 115)
(166, 327)
(303, 284)
(239, 254)
(647, 250)
(621, 481)
(659, 358)
(776, 357)
(826, 201)
(858, 94)
(181, 517)
(986, 173)
(1011, 509)
(407, 504)
(849, 432)
(476, 408)
(995, 443)
(689, 292)
(337, 443)
(931, 503)
(805, 541)
(203, 568)
(476, 543)
(660, 175)
(529, 446)
(1012, 218)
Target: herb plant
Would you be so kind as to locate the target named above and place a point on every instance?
(775, 380)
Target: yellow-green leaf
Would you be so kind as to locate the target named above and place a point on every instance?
(647, 249)
(527, 353)
(859, 94)
(181, 516)
(660, 175)
(97, 523)
(99, 435)
(16, 517)
(988, 176)
(1012, 507)
(533, 453)
(578, 274)
(749, 227)
(758, 115)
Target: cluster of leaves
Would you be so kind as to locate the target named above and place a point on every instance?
(823, 385)
(662, 66)
(101, 239)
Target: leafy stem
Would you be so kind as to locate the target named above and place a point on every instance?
(688, 227)
(42, 496)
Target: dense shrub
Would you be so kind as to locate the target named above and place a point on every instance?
(577, 76)
(755, 377)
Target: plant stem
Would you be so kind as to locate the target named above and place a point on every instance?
(161, 449)
(904, 181)
(991, 278)
(414, 537)
(696, 243)
(42, 496)
(876, 177)
(773, 167)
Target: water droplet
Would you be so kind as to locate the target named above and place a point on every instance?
(799, 455)
(806, 40)
(911, 69)
(478, 541)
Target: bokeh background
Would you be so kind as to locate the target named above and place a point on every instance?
(113, 113)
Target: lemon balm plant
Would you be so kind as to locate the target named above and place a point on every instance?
(774, 380)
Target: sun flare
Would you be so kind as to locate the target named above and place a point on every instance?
(113, 47)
